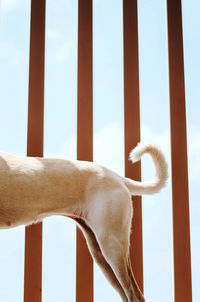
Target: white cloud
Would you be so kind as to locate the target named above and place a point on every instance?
(67, 151)
(64, 51)
(109, 148)
(59, 48)
(54, 34)
(11, 5)
(12, 55)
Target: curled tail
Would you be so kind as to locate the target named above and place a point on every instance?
(148, 187)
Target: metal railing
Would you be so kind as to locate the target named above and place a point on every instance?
(181, 230)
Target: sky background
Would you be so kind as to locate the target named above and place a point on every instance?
(60, 132)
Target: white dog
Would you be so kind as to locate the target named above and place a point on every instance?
(98, 199)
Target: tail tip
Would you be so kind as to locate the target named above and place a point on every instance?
(136, 154)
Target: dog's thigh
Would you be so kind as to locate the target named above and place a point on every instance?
(99, 258)
(111, 226)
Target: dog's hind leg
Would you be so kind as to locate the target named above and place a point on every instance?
(138, 293)
(99, 258)
(116, 255)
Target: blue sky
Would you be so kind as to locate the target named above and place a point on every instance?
(60, 132)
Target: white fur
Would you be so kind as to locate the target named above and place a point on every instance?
(98, 199)
(149, 187)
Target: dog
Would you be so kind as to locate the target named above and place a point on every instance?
(99, 200)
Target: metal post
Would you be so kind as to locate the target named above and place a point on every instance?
(132, 126)
(84, 269)
(181, 223)
(33, 236)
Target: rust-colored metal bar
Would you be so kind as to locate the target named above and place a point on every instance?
(33, 234)
(181, 223)
(84, 263)
(132, 126)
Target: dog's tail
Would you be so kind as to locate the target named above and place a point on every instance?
(148, 187)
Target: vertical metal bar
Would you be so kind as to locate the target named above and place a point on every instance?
(33, 235)
(132, 126)
(84, 266)
(181, 223)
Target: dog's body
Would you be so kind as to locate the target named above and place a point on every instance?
(97, 198)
